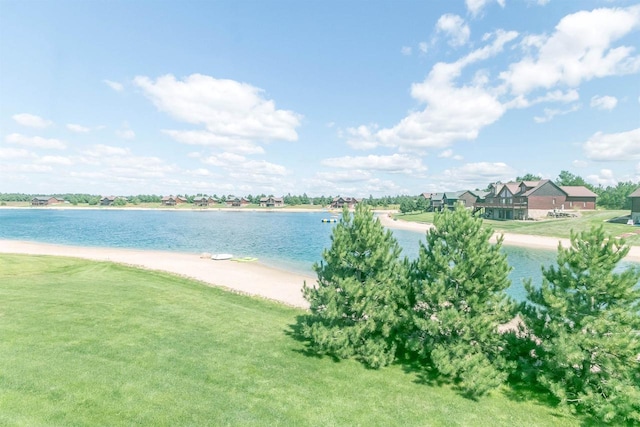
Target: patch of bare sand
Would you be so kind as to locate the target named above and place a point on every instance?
(251, 278)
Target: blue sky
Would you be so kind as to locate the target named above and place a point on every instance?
(323, 97)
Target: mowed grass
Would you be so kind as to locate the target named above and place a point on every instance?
(89, 343)
(554, 227)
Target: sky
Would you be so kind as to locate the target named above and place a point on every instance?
(332, 97)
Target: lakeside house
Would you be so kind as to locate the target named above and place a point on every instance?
(271, 202)
(340, 202)
(46, 201)
(534, 199)
(172, 200)
(635, 206)
(470, 198)
(237, 202)
(108, 200)
(204, 201)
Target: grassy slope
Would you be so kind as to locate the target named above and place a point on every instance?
(87, 343)
(553, 227)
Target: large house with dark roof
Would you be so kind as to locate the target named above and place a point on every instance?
(173, 200)
(534, 199)
(340, 202)
(272, 202)
(635, 206)
(46, 201)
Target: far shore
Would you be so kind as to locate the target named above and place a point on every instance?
(511, 239)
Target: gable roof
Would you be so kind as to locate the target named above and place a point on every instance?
(578, 191)
(635, 193)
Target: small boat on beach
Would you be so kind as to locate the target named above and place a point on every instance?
(221, 257)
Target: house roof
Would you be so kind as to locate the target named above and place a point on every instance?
(635, 193)
(426, 195)
(437, 196)
(578, 191)
(454, 195)
(531, 184)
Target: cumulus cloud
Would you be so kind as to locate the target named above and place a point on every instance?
(396, 163)
(31, 120)
(580, 49)
(229, 110)
(455, 28)
(100, 150)
(423, 47)
(225, 143)
(344, 176)
(479, 174)
(613, 146)
(604, 102)
(55, 160)
(406, 50)
(14, 153)
(604, 178)
(240, 165)
(35, 141)
(118, 87)
(475, 6)
(579, 164)
(77, 128)
(452, 113)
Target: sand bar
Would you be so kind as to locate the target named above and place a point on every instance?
(522, 240)
(252, 278)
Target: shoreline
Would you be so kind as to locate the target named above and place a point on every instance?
(250, 278)
(510, 239)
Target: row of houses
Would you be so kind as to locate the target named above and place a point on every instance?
(46, 201)
(518, 200)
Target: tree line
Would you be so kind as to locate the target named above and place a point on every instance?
(446, 314)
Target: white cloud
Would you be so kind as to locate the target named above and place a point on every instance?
(398, 163)
(14, 153)
(100, 150)
(126, 132)
(476, 6)
(406, 50)
(118, 87)
(241, 166)
(78, 128)
(604, 178)
(479, 174)
(604, 102)
(35, 141)
(580, 49)
(542, 2)
(550, 113)
(455, 28)
(452, 113)
(344, 176)
(227, 108)
(580, 163)
(613, 146)
(31, 120)
(423, 47)
(225, 143)
(56, 160)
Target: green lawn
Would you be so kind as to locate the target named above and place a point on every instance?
(553, 227)
(88, 343)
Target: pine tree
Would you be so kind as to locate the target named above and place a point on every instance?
(356, 304)
(458, 301)
(586, 320)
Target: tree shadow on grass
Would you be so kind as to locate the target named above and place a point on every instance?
(295, 331)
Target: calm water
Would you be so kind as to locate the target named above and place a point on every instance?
(289, 240)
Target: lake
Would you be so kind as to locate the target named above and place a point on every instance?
(288, 240)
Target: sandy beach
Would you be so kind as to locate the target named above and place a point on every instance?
(522, 240)
(250, 278)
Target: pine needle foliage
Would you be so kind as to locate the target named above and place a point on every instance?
(357, 303)
(585, 319)
(457, 297)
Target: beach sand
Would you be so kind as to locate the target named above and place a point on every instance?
(522, 240)
(250, 278)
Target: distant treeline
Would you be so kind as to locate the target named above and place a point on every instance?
(291, 200)
(609, 197)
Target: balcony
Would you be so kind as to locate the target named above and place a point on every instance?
(504, 203)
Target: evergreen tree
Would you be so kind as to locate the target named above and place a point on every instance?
(458, 301)
(356, 304)
(585, 319)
